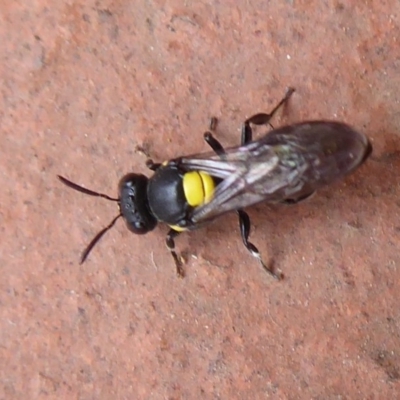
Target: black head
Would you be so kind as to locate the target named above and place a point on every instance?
(133, 204)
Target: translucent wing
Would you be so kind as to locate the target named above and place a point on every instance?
(287, 164)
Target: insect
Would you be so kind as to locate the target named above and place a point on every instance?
(287, 165)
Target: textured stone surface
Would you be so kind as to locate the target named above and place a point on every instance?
(84, 86)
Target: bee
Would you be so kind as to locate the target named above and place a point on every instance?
(287, 165)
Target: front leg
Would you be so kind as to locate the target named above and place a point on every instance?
(169, 241)
(152, 165)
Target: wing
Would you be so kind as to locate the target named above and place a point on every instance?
(287, 164)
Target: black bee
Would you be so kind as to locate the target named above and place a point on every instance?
(286, 165)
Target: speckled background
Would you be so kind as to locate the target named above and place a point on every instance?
(84, 85)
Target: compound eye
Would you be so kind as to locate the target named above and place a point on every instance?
(134, 205)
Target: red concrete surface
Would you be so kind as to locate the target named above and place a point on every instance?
(84, 86)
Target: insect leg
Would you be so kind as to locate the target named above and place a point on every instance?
(244, 219)
(244, 222)
(169, 241)
(262, 119)
(152, 165)
(210, 139)
(299, 199)
(214, 143)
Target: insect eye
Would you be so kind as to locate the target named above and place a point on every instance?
(134, 205)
